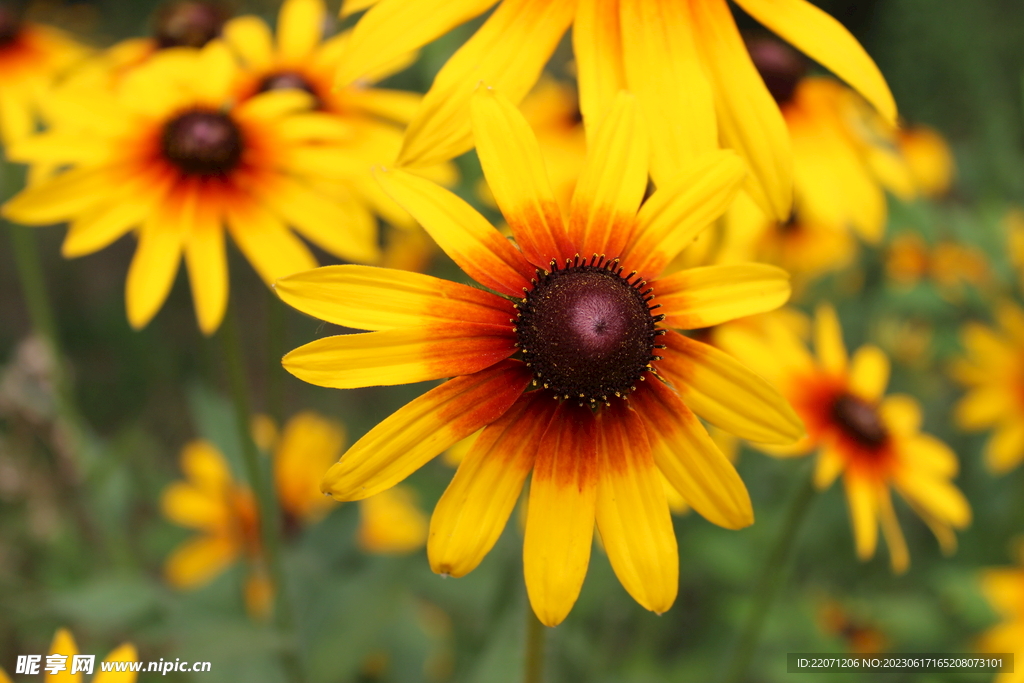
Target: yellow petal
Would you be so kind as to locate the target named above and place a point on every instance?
(1005, 448)
(749, 120)
(901, 414)
(938, 497)
(63, 644)
(860, 497)
(681, 208)
(196, 562)
(300, 27)
(614, 178)
(415, 433)
(925, 453)
(103, 225)
(828, 340)
(515, 172)
(154, 265)
(690, 460)
(125, 652)
(725, 393)
(391, 523)
(207, 265)
(60, 198)
(350, 7)
(218, 68)
(702, 297)
(982, 407)
(898, 554)
(664, 70)
(188, 506)
(830, 465)
(308, 447)
(270, 247)
(827, 42)
(597, 44)
(250, 37)
(508, 53)
(392, 357)
(466, 236)
(205, 467)
(273, 104)
(869, 372)
(561, 513)
(351, 296)
(632, 511)
(475, 507)
(392, 28)
(395, 105)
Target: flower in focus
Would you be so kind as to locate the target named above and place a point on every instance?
(64, 645)
(168, 156)
(992, 370)
(686, 62)
(566, 365)
(873, 440)
(301, 59)
(31, 57)
(1003, 587)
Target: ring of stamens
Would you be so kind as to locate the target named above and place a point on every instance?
(587, 331)
(860, 421)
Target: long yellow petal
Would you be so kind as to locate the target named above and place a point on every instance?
(270, 247)
(1005, 448)
(680, 209)
(417, 432)
(475, 507)
(861, 500)
(392, 28)
(664, 70)
(749, 120)
(827, 42)
(466, 236)
(309, 446)
(828, 340)
(515, 172)
(300, 28)
(561, 513)
(154, 265)
(60, 198)
(63, 643)
(351, 296)
(251, 39)
(394, 357)
(690, 460)
(207, 264)
(706, 296)
(195, 562)
(508, 53)
(597, 44)
(869, 372)
(899, 556)
(103, 225)
(189, 506)
(604, 206)
(125, 652)
(938, 497)
(726, 394)
(632, 511)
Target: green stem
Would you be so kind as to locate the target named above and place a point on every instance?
(771, 579)
(533, 669)
(275, 347)
(269, 514)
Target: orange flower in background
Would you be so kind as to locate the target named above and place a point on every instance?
(31, 57)
(571, 371)
(949, 265)
(169, 156)
(874, 441)
(992, 370)
(685, 60)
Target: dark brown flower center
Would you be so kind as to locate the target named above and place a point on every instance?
(859, 420)
(9, 24)
(189, 23)
(586, 331)
(203, 142)
(288, 80)
(780, 66)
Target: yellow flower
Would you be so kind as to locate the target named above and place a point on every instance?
(31, 56)
(993, 372)
(391, 522)
(64, 644)
(570, 300)
(949, 265)
(685, 60)
(873, 440)
(167, 155)
(929, 159)
(1004, 590)
(308, 447)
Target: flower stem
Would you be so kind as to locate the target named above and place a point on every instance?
(266, 500)
(275, 348)
(533, 668)
(771, 578)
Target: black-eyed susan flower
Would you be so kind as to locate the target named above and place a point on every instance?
(31, 57)
(685, 60)
(169, 156)
(568, 362)
(1003, 587)
(874, 441)
(992, 370)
